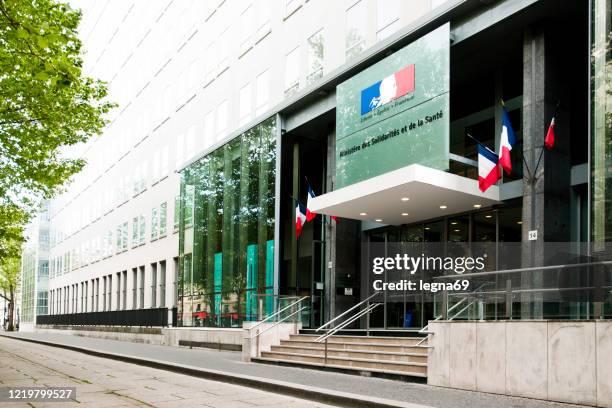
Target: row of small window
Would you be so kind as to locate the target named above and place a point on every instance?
(388, 12)
(101, 247)
(126, 187)
(216, 123)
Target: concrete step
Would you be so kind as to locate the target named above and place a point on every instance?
(347, 369)
(395, 341)
(391, 348)
(349, 353)
(362, 364)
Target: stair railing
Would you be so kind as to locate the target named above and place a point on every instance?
(278, 312)
(273, 316)
(425, 331)
(348, 311)
(348, 320)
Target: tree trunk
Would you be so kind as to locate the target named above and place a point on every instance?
(11, 312)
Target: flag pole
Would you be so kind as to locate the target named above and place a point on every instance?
(542, 151)
(479, 142)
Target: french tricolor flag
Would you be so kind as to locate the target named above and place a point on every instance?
(507, 141)
(310, 214)
(300, 218)
(388, 89)
(488, 169)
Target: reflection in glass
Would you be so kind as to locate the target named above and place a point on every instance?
(226, 240)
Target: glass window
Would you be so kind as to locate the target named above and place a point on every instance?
(247, 22)
(355, 29)
(180, 150)
(108, 243)
(135, 231)
(164, 161)
(226, 240)
(142, 229)
(245, 104)
(262, 93)
(316, 53)
(458, 229)
(209, 129)
(177, 210)
(223, 51)
(221, 119)
(124, 236)
(156, 165)
(601, 125)
(189, 205)
(387, 18)
(154, 224)
(119, 238)
(209, 65)
(292, 71)
(191, 147)
(263, 20)
(163, 215)
(136, 180)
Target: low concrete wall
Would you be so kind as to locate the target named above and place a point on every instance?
(148, 335)
(253, 344)
(208, 337)
(566, 361)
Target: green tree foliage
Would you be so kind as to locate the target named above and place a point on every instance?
(46, 104)
(12, 219)
(9, 282)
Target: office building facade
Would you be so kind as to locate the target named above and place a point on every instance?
(229, 110)
(34, 297)
(186, 79)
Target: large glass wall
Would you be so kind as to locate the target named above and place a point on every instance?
(226, 244)
(28, 287)
(601, 124)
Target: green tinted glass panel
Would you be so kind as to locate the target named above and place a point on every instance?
(226, 218)
(395, 113)
(218, 285)
(269, 277)
(251, 284)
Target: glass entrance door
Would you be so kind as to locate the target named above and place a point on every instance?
(448, 236)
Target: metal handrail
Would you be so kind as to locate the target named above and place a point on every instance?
(259, 333)
(424, 329)
(518, 270)
(348, 311)
(348, 321)
(279, 312)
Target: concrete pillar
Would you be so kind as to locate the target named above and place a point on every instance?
(546, 195)
(330, 275)
(295, 192)
(342, 245)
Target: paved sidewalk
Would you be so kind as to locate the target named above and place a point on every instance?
(230, 363)
(101, 382)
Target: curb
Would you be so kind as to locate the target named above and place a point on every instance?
(305, 392)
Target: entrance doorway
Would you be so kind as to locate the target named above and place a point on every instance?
(411, 310)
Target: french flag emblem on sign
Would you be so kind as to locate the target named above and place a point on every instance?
(388, 89)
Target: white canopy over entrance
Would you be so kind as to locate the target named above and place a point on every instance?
(410, 194)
